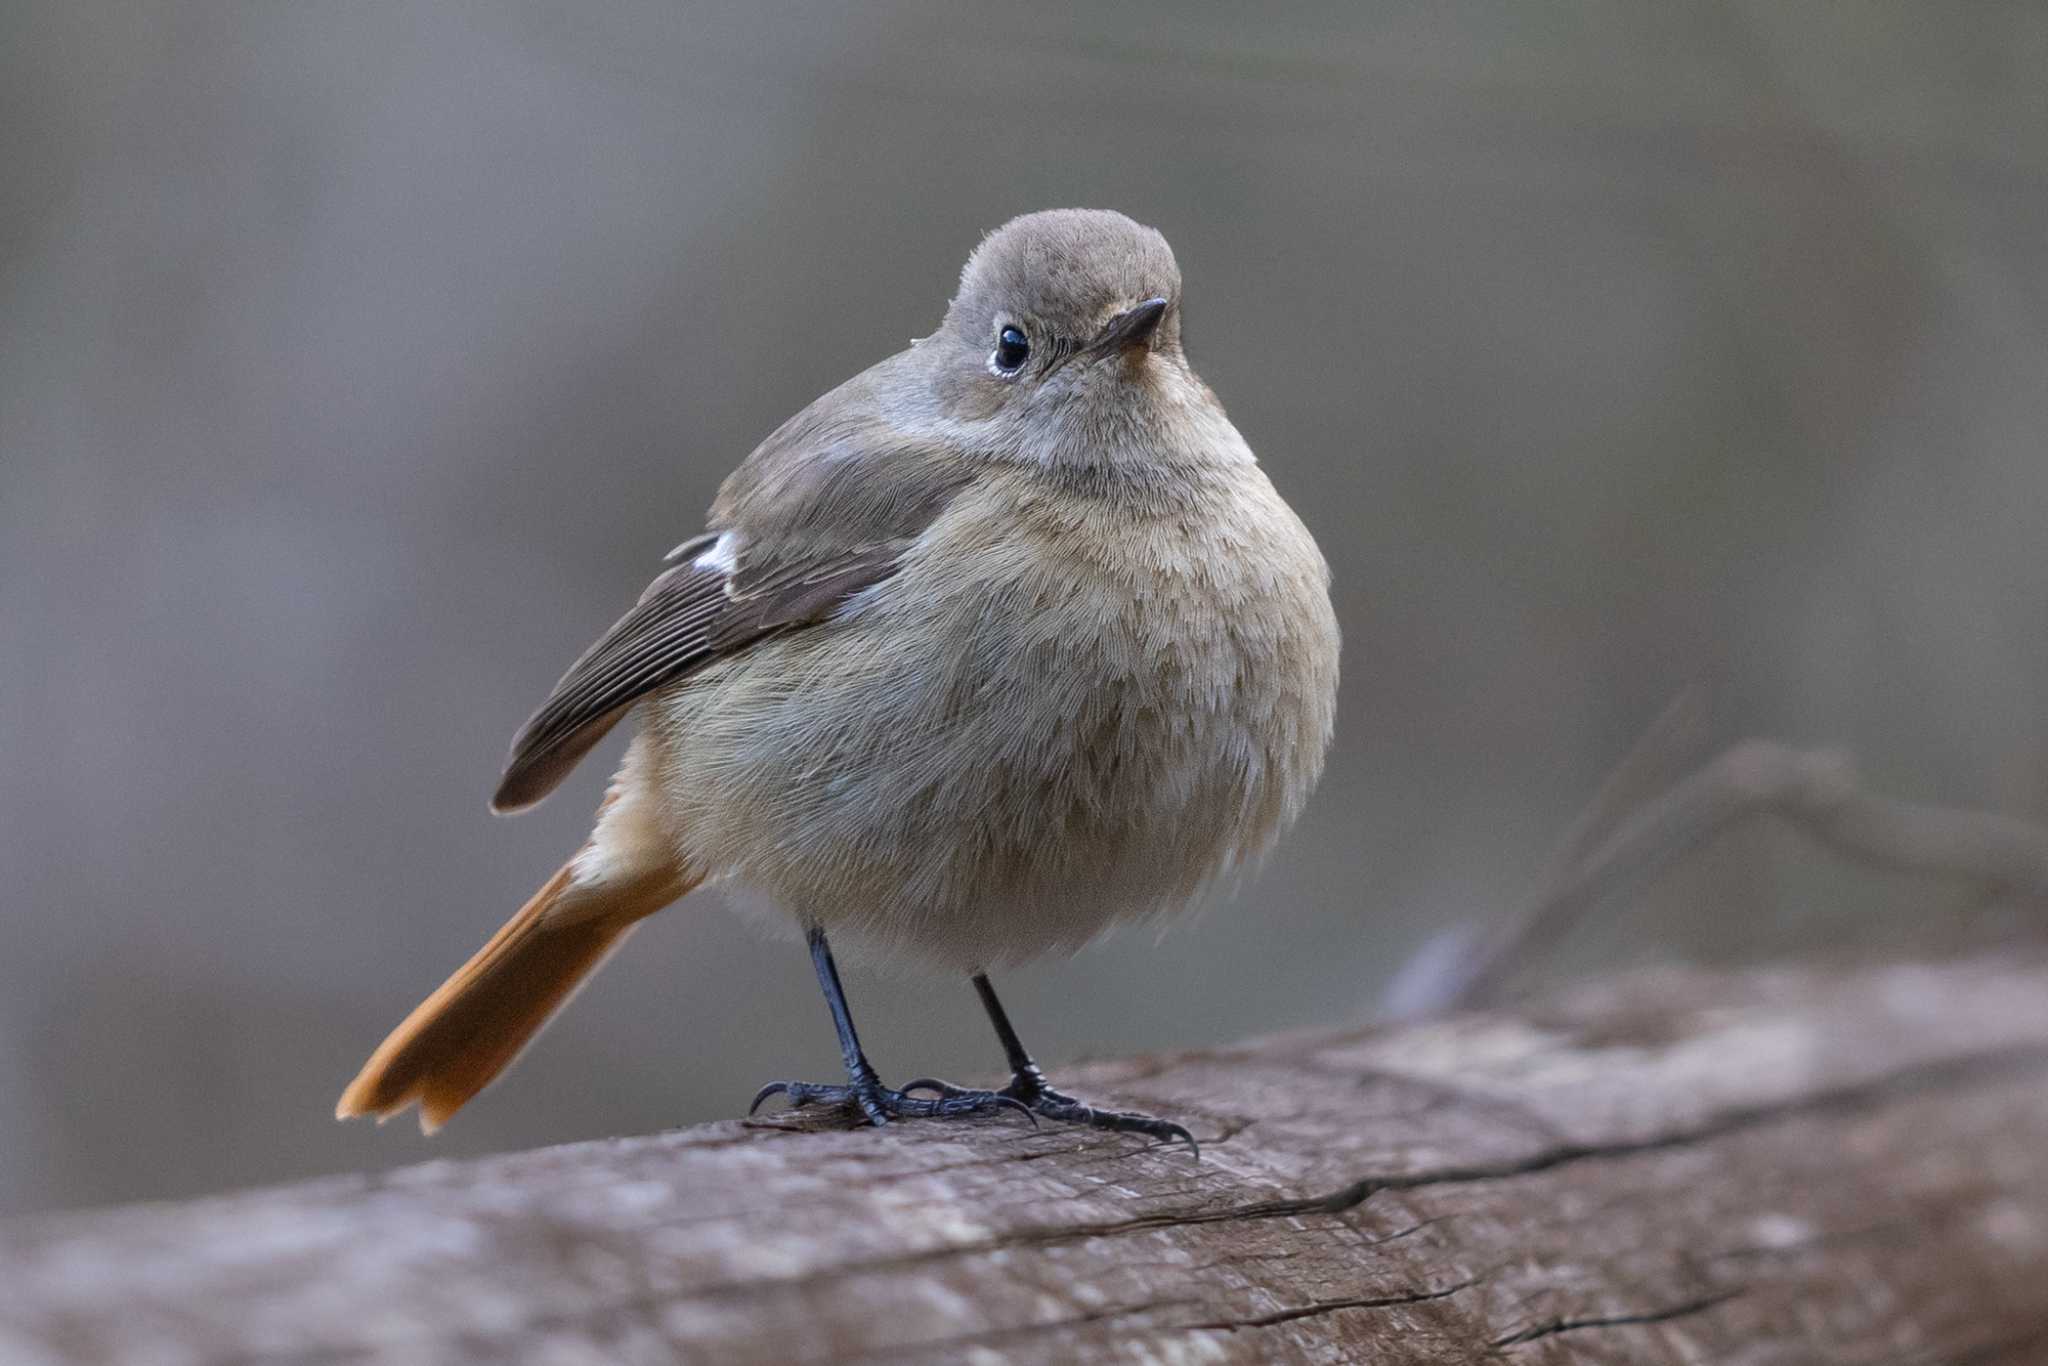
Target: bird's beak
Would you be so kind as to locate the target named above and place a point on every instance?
(1131, 328)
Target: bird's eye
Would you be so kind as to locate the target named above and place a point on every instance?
(1013, 348)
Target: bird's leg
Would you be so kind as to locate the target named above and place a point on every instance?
(1027, 1086)
(864, 1088)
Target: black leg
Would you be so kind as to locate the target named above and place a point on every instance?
(864, 1087)
(1013, 1047)
(857, 1066)
(1028, 1086)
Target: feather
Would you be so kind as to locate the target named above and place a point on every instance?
(701, 610)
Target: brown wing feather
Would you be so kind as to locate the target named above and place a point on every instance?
(688, 617)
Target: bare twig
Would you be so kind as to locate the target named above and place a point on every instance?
(1606, 854)
(1673, 743)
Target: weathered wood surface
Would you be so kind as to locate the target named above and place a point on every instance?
(1770, 1167)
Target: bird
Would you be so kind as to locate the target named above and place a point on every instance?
(1004, 641)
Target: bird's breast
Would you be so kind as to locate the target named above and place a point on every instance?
(1060, 711)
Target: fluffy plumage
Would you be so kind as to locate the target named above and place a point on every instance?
(971, 662)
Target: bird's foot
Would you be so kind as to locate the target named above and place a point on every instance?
(1029, 1090)
(880, 1104)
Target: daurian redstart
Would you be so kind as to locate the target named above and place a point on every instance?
(1004, 640)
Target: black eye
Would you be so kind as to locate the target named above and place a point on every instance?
(1012, 349)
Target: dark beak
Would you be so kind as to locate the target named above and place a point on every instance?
(1130, 328)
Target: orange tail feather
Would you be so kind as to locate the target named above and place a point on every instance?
(472, 1028)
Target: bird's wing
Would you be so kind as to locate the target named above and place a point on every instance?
(700, 610)
(822, 509)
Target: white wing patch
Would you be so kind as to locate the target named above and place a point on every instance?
(722, 556)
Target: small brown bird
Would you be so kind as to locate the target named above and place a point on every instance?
(1004, 640)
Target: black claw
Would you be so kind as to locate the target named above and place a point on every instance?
(1123, 1122)
(1030, 1094)
(971, 1101)
(1054, 1105)
(1027, 1095)
(803, 1093)
(977, 1101)
(878, 1104)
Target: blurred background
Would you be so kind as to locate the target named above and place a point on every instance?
(359, 362)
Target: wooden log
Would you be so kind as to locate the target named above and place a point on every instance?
(1776, 1166)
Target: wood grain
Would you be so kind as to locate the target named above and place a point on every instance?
(1778, 1166)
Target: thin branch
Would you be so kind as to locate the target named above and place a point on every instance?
(1673, 743)
(1816, 791)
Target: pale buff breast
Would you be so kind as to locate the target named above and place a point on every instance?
(1058, 714)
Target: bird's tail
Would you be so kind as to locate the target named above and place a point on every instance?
(476, 1023)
